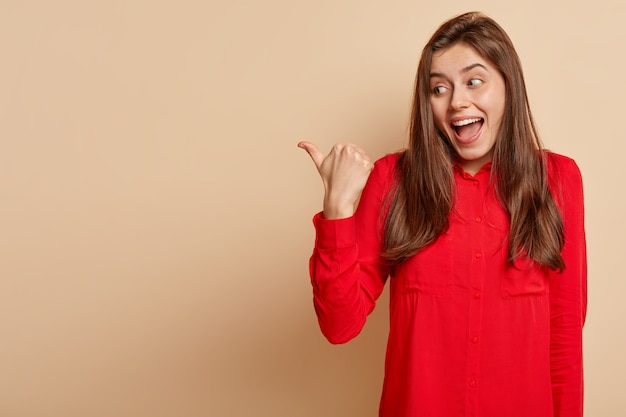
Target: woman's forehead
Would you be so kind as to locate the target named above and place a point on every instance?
(459, 57)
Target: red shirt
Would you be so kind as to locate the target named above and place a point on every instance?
(468, 335)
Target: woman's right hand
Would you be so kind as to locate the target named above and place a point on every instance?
(344, 172)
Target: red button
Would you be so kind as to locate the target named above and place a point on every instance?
(477, 296)
(473, 383)
(474, 340)
(479, 255)
(478, 219)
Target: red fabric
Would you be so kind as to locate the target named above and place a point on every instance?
(468, 336)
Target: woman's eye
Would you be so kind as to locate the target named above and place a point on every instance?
(439, 90)
(474, 82)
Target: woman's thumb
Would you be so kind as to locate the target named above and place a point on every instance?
(313, 152)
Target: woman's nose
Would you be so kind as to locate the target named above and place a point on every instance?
(459, 100)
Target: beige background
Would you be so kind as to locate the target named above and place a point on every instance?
(155, 213)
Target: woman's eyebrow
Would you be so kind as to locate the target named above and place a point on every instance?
(471, 67)
(463, 71)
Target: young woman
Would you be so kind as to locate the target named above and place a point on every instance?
(480, 231)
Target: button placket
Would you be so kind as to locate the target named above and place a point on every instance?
(476, 277)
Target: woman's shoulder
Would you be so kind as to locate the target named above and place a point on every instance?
(389, 160)
(387, 164)
(384, 172)
(562, 167)
(564, 180)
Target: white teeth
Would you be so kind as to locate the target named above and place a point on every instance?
(466, 122)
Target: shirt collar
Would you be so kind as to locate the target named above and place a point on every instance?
(485, 169)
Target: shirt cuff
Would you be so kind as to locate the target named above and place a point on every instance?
(334, 234)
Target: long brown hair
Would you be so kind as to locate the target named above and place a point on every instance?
(424, 196)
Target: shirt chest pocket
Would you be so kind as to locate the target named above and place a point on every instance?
(525, 278)
(430, 271)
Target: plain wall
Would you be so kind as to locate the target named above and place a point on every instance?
(155, 212)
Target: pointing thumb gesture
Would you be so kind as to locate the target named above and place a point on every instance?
(314, 153)
(344, 172)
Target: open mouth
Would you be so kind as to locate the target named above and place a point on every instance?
(467, 129)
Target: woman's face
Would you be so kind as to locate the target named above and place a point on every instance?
(467, 98)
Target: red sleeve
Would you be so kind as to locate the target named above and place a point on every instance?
(568, 292)
(347, 271)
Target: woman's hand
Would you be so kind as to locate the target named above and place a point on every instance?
(344, 172)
